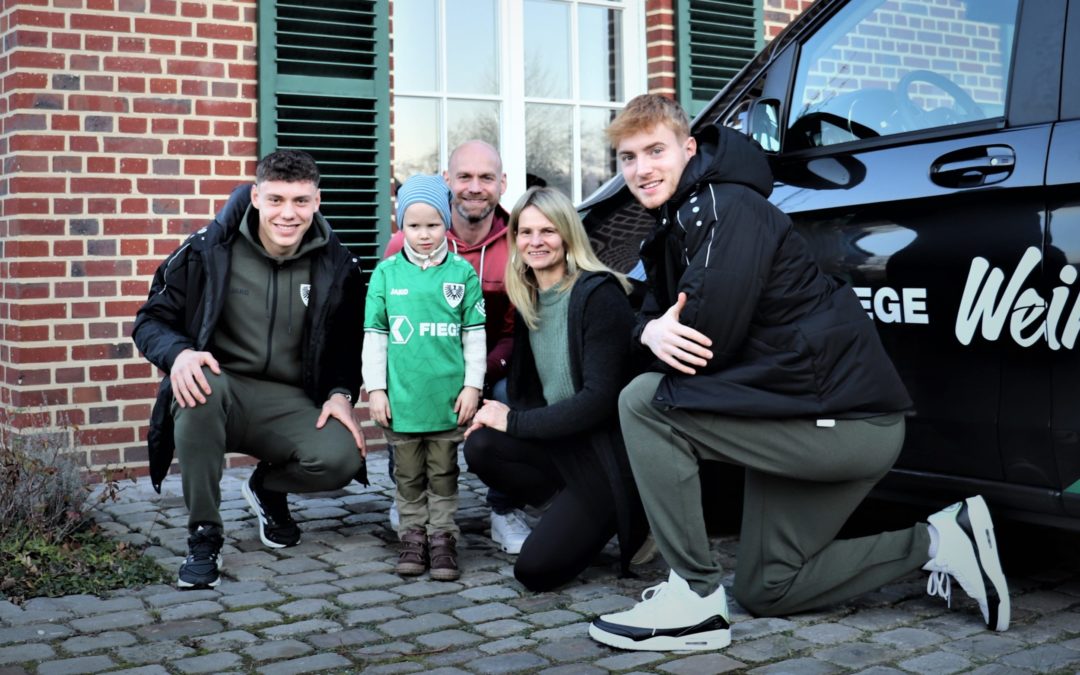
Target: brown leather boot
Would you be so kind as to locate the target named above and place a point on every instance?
(413, 557)
(444, 564)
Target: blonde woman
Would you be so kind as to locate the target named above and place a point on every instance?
(559, 438)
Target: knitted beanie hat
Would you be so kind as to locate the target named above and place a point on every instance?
(424, 189)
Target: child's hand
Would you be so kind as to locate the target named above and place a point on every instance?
(380, 407)
(467, 402)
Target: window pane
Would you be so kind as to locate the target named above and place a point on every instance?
(416, 42)
(468, 120)
(887, 69)
(597, 155)
(472, 61)
(600, 52)
(549, 146)
(547, 49)
(416, 136)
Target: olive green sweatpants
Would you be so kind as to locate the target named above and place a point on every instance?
(803, 480)
(426, 475)
(272, 421)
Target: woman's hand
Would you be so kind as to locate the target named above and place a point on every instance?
(466, 404)
(493, 414)
(380, 407)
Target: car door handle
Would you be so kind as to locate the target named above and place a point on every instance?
(973, 167)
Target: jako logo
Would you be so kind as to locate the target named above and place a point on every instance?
(1030, 318)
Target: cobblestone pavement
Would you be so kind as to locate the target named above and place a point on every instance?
(333, 604)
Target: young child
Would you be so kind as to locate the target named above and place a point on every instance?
(424, 359)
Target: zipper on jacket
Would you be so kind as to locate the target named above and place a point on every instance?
(273, 292)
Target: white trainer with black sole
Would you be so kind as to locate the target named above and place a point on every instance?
(967, 551)
(670, 617)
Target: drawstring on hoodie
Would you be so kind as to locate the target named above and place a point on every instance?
(483, 250)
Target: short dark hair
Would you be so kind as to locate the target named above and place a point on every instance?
(291, 166)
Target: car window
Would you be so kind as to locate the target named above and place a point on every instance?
(882, 67)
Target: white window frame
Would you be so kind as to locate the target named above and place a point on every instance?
(512, 100)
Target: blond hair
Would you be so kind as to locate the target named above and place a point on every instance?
(645, 112)
(521, 283)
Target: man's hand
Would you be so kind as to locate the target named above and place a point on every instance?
(189, 384)
(340, 408)
(493, 414)
(679, 346)
(379, 405)
(466, 404)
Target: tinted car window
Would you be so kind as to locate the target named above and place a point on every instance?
(882, 68)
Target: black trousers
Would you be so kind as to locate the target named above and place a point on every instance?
(571, 531)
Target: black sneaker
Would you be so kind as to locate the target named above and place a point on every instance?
(277, 529)
(202, 567)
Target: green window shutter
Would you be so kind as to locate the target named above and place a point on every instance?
(715, 38)
(324, 87)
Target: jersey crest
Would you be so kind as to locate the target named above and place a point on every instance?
(305, 293)
(454, 294)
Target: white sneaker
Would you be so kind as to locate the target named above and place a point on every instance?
(509, 530)
(395, 517)
(670, 616)
(967, 552)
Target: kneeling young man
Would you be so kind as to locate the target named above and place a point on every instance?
(764, 362)
(257, 319)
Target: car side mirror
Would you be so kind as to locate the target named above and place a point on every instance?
(763, 123)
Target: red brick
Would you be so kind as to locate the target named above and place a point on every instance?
(196, 127)
(166, 186)
(68, 248)
(195, 68)
(70, 375)
(39, 397)
(194, 10)
(163, 27)
(19, 333)
(225, 52)
(225, 167)
(122, 350)
(134, 165)
(125, 309)
(165, 126)
(26, 17)
(216, 187)
(134, 371)
(101, 185)
(161, 47)
(37, 60)
(137, 413)
(26, 249)
(101, 289)
(67, 206)
(224, 108)
(131, 85)
(69, 331)
(132, 64)
(194, 88)
(242, 71)
(35, 101)
(104, 331)
(101, 164)
(28, 291)
(92, 437)
(22, 185)
(147, 268)
(85, 310)
(82, 144)
(40, 312)
(114, 104)
(115, 227)
(131, 45)
(66, 41)
(65, 123)
(20, 355)
(226, 13)
(100, 457)
(25, 270)
(215, 31)
(197, 167)
(85, 395)
(123, 392)
(167, 7)
(101, 205)
(163, 106)
(69, 289)
(98, 43)
(85, 62)
(119, 24)
(101, 5)
(17, 163)
(30, 81)
(133, 125)
(196, 49)
(36, 143)
(162, 85)
(222, 128)
(134, 205)
(104, 373)
(134, 247)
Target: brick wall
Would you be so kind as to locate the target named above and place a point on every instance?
(660, 47)
(124, 122)
(779, 13)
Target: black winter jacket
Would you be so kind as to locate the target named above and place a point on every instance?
(188, 293)
(599, 319)
(787, 340)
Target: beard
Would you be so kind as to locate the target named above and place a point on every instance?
(474, 217)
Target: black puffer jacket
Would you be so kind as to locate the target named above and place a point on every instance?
(187, 296)
(599, 318)
(787, 340)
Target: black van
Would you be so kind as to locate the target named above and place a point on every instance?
(929, 150)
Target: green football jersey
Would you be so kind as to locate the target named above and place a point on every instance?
(423, 313)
